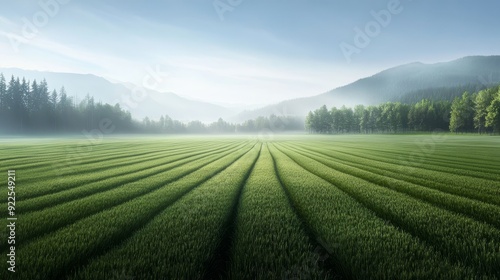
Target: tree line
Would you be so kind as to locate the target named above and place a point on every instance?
(478, 112)
(261, 124)
(29, 107)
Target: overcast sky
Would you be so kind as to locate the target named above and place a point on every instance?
(242, 51)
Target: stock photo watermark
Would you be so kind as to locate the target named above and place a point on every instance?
(11, 220)
(426, 148)
(321, 254)
(31, 26)
(372, 29)
(84, 148)
(223, 6)
(489, 80)
(121, 275)
(275, 125)
(151, 81)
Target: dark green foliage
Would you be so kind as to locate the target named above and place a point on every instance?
(493, 113)
(388, 117)
(32, 109)
(467, 113)
(462, 114)
(26, 108)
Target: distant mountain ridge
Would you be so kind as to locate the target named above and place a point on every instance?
(394, 83)
(405, 83)
(153, 105)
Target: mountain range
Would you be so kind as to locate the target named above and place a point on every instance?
(398, 84)
(141, 102)
(401, 83)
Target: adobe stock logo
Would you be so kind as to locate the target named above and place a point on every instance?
(151, 81)
(373, 28)
(223, 6)
(31, 26)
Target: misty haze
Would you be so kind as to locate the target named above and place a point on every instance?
(237, 139)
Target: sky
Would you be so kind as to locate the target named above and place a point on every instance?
(242, 51)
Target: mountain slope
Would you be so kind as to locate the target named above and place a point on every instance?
(394, 83)
(402, 83)
(152, 104)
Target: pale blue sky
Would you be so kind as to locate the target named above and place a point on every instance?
(261, 52)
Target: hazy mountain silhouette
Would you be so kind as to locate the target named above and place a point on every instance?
(406, 83)
(153, 105)
(397, 84)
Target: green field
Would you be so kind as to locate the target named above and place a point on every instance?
(297, 207)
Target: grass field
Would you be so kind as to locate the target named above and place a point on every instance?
(298, 207)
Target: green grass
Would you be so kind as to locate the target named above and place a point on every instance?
(189, 231)
(289, 207)
(270, 240)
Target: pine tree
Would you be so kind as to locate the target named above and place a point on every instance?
(3, 94)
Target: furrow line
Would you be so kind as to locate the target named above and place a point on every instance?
(461, 239)
(79, 192)
(329, 260)
(64, 185)
(58, 256)
(83, 170)
(449, 198)
(370, 247)
(430, 165)
(40, 223)
(469, 185)
(218, 265)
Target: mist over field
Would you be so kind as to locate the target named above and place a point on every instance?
(237, 139)
(177, 67)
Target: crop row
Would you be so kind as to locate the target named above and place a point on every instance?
(368, 246)
(111, 162)
(161, 147)
(270, 241)
(190, 231)
(59, 253)
(472, 208)
(482, 189)
(71, 158)
(44, 194)
(49, 219)
(70, 182)
(414, 156)
(133, 174)
(47, 156)
(438, 152)
(75, 161)
(463, 240)
(440, 147)
(476, 188)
